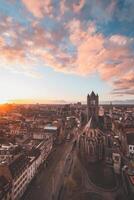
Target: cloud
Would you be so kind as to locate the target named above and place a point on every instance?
(39, 8)
(92, 52)
(14, 52)
(15, 61)
(70, 43)
(121, 40)
(125, 85)
(102, 11)
(1, 42)
(75, 6)
(109, 56)
(78, 6)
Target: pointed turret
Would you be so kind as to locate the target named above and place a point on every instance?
(92, 94)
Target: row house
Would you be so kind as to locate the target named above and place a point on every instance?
(34, 163)
(53, 130)
(16, 173)
(19, 174)
(45, 147)
(18, 170)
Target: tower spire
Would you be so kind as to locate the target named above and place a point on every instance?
(92, 105)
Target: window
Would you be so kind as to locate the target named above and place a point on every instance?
(93, 102)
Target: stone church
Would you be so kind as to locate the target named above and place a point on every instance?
(92, 140)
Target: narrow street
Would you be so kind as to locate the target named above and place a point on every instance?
(47, 181)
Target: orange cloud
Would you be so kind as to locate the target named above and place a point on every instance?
(125, 85)
(92, 52)
(15, 59)
(96, 53)
(1, 42)
(39, 8)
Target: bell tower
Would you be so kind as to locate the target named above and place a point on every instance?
(92, 105)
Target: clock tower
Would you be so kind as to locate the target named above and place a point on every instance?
(92, 105)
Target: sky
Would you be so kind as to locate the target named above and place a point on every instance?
(60, 50)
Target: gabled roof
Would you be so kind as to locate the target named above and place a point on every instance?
(92, 123)
(18, 165)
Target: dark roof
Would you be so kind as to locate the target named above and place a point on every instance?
(34, 152)
(3, 181)
(130, 139)
(18, 165)
(93, 123)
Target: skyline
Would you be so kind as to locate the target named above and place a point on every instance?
(62, 50)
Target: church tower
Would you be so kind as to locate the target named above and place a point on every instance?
(92, 105)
